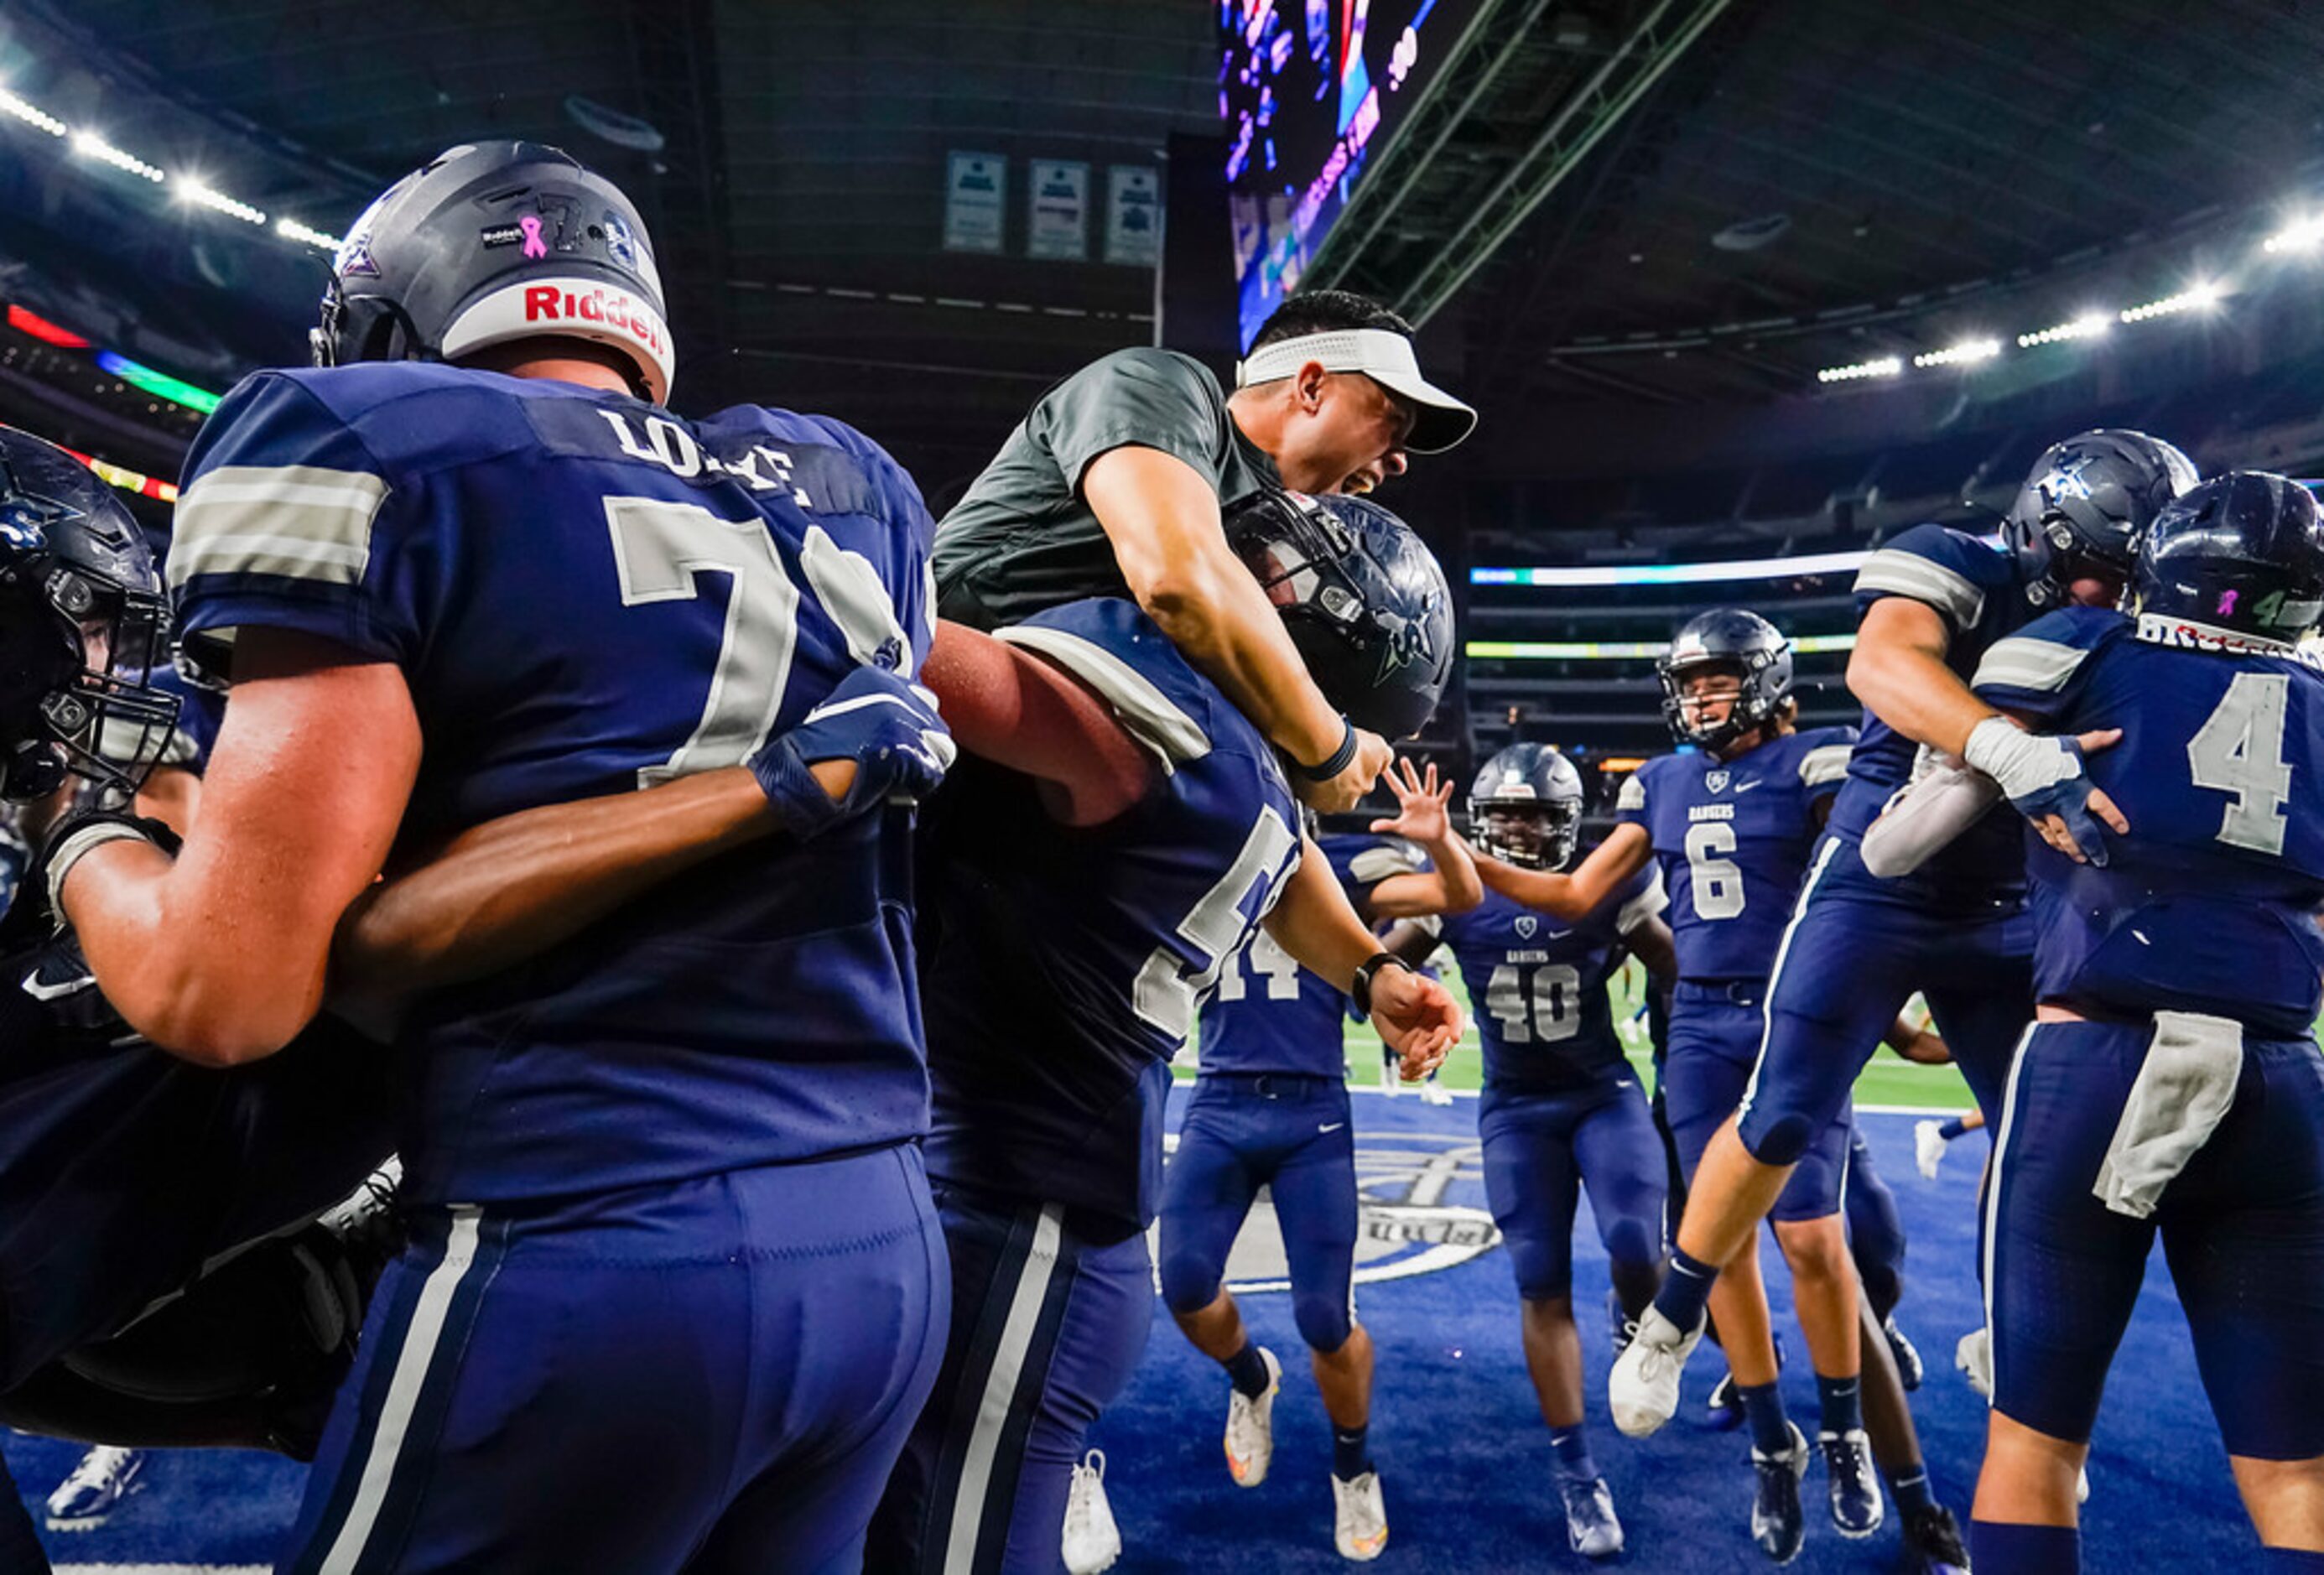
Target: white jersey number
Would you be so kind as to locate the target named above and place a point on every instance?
(659, 548)
(1538, 1005)
(2240, 751)
(1718, 882)
(1262, 959)
(1165, 994)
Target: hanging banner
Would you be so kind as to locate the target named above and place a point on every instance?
(1057, 225)
(976, 185)
(1133, 215)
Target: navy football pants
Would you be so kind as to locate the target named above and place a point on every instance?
(715, 1376)
(1046, 1327)
(2242, 1226)
(1852, 955)
(1541, 1149)
(1292, 1135)
(1715, 1032)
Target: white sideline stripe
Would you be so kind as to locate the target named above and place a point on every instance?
(411, 1363)
(161, 1570)
(1001, 1391)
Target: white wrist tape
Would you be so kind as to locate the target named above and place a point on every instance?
(78, 846)
(2024, 763)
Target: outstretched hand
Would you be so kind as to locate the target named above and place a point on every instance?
(1418, 1019)
(1421, 814)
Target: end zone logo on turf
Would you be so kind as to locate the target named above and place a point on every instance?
(1420, 1209)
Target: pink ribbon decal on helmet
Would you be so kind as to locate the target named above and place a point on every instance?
(534, 246)
(2227, 604)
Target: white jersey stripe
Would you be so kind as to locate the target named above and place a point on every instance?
(1149, 715)
(1902, 574)
(299, 521)
(1784, 950)
(2021, 663)
(1001, 1390)
(420, 1340)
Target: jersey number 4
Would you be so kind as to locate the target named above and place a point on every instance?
(2240, 751)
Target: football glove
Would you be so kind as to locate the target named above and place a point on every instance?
(2040, 775)
(885, 723)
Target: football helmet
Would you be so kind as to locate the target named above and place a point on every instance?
(2242, 553)
(490, 242)
(83, 626)
(1524, 807)
(2084, 501)
(1726, 637)
(1363, 597)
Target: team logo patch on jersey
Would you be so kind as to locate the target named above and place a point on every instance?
(1715, 780)
(1420, 1209)
(1527, 926)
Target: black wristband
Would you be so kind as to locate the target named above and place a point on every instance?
(1360, 990)
(1340, 758)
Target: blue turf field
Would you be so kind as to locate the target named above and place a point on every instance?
(1463, 1450)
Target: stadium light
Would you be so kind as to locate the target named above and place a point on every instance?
(190, 189)
(1676, 574)
(2300, 236)
(31, 115)
(202, 195)
(1968, 352)
(1589, 650)
(2089, 326)
(160, 384)
(89, 145)
(2201, 296)
(1887, 367)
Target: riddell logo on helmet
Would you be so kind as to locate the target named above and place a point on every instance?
(614, 309)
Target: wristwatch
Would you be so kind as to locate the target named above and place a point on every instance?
(1361, 992)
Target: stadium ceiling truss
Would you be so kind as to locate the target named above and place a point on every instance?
(1449, 150)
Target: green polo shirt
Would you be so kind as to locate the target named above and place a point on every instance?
(1024, 540)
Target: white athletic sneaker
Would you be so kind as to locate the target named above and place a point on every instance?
(1092, 1542)
(1358, 1517)
(1928, 1147)
(1433, 1093)
(1642, 1389)
(1250, 1427)
(1390, 1077)
(1974, 1357)
(105, 1477)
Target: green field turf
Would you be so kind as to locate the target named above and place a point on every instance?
(1887, 1080)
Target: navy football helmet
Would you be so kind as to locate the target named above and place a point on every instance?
(2084, 501)
(490, 242)
(1363, 597)
(1726, 637)
(2242, 553)
(1526, 807)
(83, 625)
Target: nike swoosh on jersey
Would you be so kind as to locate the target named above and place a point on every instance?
(40, 991)
(1332, 1127)
(1743, 787)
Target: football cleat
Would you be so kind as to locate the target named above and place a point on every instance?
(1433, 1093)
(1974, 1357)
(1933, 1542)
(1358, 1517)
(1908, 1355)
(105, 1477)
(1642, 1389)
(1092, 1542)
(1725, 1407)
(1856, 1506)
(1250, 1427)
(1777, 1526)
(1591, 1525)
(1928, 1147)
(1391, 1076)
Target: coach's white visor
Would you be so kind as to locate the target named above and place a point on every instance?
(1438, 419)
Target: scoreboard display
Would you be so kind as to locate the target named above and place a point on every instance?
(1311, 92)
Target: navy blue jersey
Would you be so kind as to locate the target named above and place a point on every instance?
(587, 595)
(2210, 904)
(1547, 1024)
(1066, 964)
(1732, 838)
(1268, 1014)
(1972, 585)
